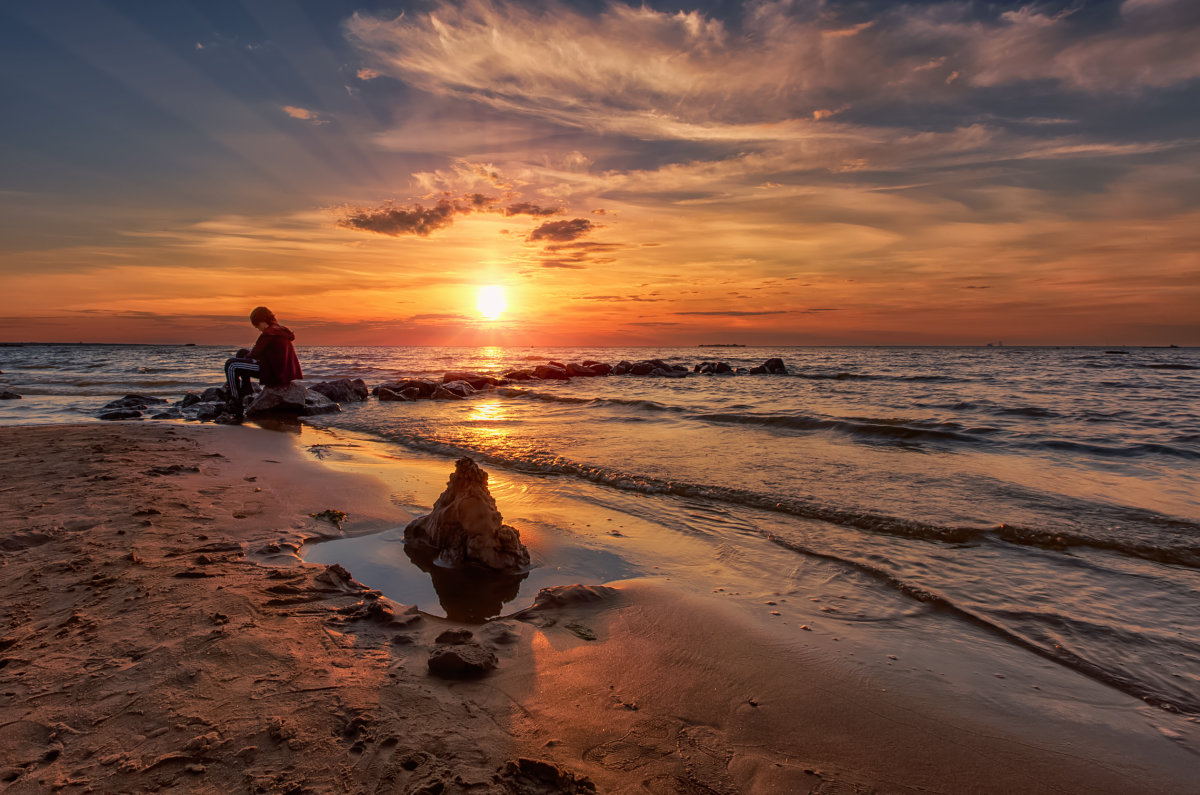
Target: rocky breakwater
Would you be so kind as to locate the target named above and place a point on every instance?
(213, 404)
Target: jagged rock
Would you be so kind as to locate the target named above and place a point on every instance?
(289, 399)
(343, 390)
(568, 595)
(214, 394)
(190, 399)
(460, 388)
(551, 372)
(642, 368)
(476, 380)
(441, 393)
(770, 367)
(386, 393)
(6, 395)
(465, 528)
(461, 661)
(622, 368)
(121, 414)
(713, 367)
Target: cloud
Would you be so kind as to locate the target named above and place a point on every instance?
(773, 73)
(366, 74)
(562, 231)
(529, 208)
(303, 114)
(390, 219)
(395, 221)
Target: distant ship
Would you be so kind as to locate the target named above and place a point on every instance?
(995, 345)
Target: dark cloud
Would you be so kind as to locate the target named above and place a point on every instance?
(396, 221)
(529, 208)
(562, 231)
(738, 312)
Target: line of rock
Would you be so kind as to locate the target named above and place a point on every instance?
(305, 400)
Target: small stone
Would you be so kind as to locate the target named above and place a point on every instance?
(461, 661)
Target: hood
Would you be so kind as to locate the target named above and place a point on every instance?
(279, 331)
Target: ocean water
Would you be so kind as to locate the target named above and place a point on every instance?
(1050, 496)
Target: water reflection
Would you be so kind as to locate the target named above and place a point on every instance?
(470, 595)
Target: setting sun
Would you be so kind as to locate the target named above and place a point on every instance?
(491, 301)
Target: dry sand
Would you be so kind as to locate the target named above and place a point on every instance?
(159, 632)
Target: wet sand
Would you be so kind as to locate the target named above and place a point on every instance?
(158, 630)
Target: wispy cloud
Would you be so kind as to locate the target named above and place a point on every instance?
(304, 114)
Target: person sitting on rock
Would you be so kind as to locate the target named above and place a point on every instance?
(272, 360)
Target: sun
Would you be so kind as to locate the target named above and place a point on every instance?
(491, 301)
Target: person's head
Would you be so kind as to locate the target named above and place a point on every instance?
(262, 317)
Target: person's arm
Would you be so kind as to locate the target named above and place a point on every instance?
(260, 348)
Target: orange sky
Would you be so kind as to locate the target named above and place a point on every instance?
(792, 173)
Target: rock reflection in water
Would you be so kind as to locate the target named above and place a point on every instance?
(471, 594)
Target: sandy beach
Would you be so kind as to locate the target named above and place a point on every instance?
(162, 633)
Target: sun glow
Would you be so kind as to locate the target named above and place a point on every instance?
(491, 301)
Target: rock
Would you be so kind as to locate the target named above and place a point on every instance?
(519, 375)
(642, 368)
(770, 367)
(315, 403)
(190, 399)
(622, 368)
(425, 387)
(476, 380)
(6, 395)
(343, 390)
(460, 388)
(209, 411)
(121, 414)
(559, 365)
(524, 775)
(551, 372)
(386, 393)
(581, 370)
(214, 394)
(599, 368)
(461, 661)
(713, 367)
(454, 637)
(275, 399)
(167, 415)
(139, 402)
(465, 528)
(441, 393)
(569, 595)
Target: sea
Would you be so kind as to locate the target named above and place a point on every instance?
(1048, 496)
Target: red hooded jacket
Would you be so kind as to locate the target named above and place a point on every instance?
(277, 362)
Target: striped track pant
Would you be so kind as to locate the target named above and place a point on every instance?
(238, 373)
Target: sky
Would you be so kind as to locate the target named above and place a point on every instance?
(770, 172)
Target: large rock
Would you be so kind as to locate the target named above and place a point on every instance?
(291, 399)
(343, 390)
(519, 375)
(580, 370)
(465, 528)
(551, 372)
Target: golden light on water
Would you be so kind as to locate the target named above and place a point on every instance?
(490, 302)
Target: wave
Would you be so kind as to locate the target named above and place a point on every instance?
(1184, 552)
(1170, 366)
(1113, 451)
(1045, 646)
